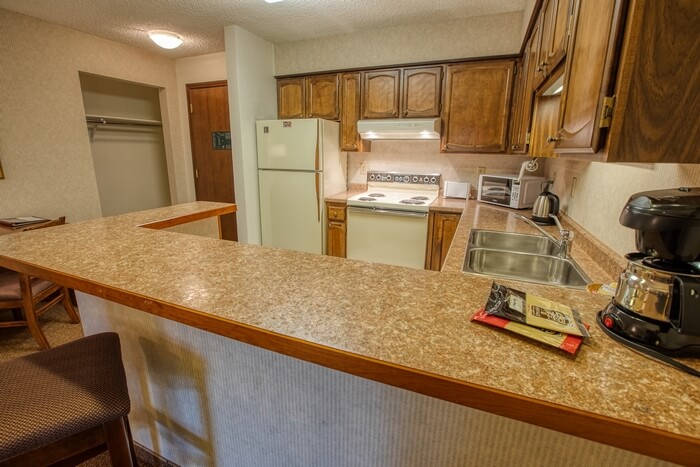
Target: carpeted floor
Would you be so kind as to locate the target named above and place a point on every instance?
(15, 342)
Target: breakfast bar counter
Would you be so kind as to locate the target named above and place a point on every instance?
(405, 328)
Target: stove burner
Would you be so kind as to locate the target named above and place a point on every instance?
(412, 201)
(366, 198)
(670, 266)
(377, 195)
(421, 198)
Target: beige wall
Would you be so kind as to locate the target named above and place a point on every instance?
(463, 38)
(199, 69)
(602, 189)
(44, 144)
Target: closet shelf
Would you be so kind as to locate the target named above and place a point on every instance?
(98, 120)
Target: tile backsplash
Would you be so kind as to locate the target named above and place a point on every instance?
(425, 157)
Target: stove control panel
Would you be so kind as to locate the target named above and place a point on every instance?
(395, 177)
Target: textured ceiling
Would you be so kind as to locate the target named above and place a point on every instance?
(201, 22)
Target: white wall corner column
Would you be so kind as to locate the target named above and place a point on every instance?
(251, 87)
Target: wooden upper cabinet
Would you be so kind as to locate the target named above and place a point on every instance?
(381, 93)
(291, 98)
(350, 113)
(551, 33)
(477, 106)
(314, 96)
(657, 103)
(523, 98)
(421, 94)
(588, 75)
(322, 94)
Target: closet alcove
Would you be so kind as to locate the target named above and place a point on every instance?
(126, 138)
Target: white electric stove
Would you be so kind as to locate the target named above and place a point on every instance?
(389, 222)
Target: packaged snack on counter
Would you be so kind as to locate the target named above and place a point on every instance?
(565, 342)
(532, 310)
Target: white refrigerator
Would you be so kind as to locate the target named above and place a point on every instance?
(299, 163)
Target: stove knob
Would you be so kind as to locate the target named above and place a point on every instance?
(371, 177)
(433, 179)
(415, 179)
(425, 179)
(406, 179)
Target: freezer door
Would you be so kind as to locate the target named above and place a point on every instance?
(289, 144)
(291, 210)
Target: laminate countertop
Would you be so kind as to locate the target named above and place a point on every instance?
(404, 327)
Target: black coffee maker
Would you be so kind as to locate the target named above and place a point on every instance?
(657, 302)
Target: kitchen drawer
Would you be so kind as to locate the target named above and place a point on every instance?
(336, 213)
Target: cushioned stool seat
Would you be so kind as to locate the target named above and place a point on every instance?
(75, 391)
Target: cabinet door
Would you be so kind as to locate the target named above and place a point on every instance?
(544, 126)
(657, 99)
(350, 112)
(556, 15)
(291, 98)
(336, 232)
(532, 51)
(322, 97)
(477, 106)
(422, 92)
(380, 93)
(442, 228)
(588, 75)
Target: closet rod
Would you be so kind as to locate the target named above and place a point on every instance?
(105, 120)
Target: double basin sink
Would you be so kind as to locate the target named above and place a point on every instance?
(523, 257)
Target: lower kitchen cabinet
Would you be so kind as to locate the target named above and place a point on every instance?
(441, 230)
(336, 231)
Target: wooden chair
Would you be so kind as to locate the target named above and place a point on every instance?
(29, 297)
(65, 405)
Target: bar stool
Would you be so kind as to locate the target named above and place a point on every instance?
(65, 405)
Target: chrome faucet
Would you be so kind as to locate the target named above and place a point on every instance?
(566, 237)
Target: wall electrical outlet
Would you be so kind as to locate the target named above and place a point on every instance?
(363, 167)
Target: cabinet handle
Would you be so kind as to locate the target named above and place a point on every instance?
(553, 139)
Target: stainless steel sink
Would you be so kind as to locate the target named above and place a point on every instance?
(523, 243)
(529, 258)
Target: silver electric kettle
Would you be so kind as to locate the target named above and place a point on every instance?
(546, 203)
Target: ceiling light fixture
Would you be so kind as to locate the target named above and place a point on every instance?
(165, 39)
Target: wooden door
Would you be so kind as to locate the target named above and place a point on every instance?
(441, 231)
(350, 112)
(421, 92)
(322, 97)
(554, 34)
(212, 158)
(477, 106)
(544, 126)
(588, 76)
(291, 98)
(381, 93)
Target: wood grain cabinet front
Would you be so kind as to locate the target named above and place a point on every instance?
(381, 93)
(554, 22)
(336, 232)
(441, 231)
(316, 96)
(350, 113)
(421, 91)
(477, 106)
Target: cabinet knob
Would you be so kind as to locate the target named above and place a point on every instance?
(553, 139)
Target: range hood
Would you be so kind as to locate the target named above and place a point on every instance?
(405, 128)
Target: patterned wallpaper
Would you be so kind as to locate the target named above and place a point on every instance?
(602, 189)
(44, 145)
(463, 38)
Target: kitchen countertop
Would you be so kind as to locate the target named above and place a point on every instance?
(404, 327)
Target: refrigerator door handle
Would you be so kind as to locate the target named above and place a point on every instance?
(318, 195)
(318, 135)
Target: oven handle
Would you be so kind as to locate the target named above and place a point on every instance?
(388, 211)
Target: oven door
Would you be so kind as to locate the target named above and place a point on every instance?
(388, 237)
